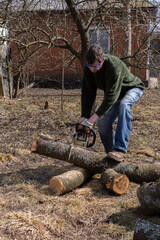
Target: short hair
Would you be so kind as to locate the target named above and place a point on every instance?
(95, 52)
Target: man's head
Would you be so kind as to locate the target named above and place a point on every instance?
(94, 58)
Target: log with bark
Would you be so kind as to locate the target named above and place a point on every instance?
(145, 230)
(149, 197)
(115, 182)
(68, 181)
(74, 178)
(140, 172)
(94, 162)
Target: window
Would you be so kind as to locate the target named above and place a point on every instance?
(100, 36)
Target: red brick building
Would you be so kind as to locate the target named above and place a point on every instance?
(46, 63)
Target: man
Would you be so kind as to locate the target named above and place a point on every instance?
(121, 90)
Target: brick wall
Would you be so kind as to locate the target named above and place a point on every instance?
(46, 64)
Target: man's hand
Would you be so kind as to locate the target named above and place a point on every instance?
(82, 119)
(90, 122)
(87, 124)
(93, 118)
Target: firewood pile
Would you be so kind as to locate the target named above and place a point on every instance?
(114, 175)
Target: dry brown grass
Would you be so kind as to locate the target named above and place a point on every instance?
(28, 210)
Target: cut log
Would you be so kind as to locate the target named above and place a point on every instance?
(94, 162)
(68, 181)
(50, 148)
(91, 161)
(149, 197)
(139, 173)
(145, 230)
(115, 182)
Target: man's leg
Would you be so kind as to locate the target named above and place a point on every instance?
(105, 127)
(124, 125)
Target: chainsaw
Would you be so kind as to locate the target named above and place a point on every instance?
(84, 136)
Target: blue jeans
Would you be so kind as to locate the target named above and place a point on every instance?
(121, 110)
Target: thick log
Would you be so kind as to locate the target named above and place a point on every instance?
(149, 197)
(145, 230)
(115, 182)
(94, 162)
(139, 173)
(91, 161)
(68, 181)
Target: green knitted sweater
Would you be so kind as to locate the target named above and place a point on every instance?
(114, 78)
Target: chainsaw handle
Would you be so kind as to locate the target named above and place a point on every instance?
(94, 139)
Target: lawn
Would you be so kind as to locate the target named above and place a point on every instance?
(28, 210)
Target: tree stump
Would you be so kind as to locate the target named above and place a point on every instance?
(115, 182)
(149, 197)
(145, 230)
(68, 181)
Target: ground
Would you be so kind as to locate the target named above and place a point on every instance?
(28, 210)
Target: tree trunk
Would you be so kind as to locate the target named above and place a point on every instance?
(68, 181)
(117, 183)
(10, 71)
(139, 173)
(149, 197)
(5, 73)
(1, 80)
(127, 28)
(17, 79)
(127, 31)
(94, 162)
(145, 230)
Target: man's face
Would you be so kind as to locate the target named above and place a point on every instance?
(96, 66)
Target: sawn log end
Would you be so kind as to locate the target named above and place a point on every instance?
(35, 144)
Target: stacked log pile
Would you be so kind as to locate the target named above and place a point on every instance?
(97, 163)
(88, 162)
(114, 175)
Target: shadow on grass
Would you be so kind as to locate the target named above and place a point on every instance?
(126, 218)
(40, 175)
(43, 174)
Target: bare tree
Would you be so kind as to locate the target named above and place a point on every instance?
(40, 24)
(127, 28)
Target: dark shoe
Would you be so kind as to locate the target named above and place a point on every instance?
(117, 156)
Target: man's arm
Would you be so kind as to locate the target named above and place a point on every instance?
(88, 94)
